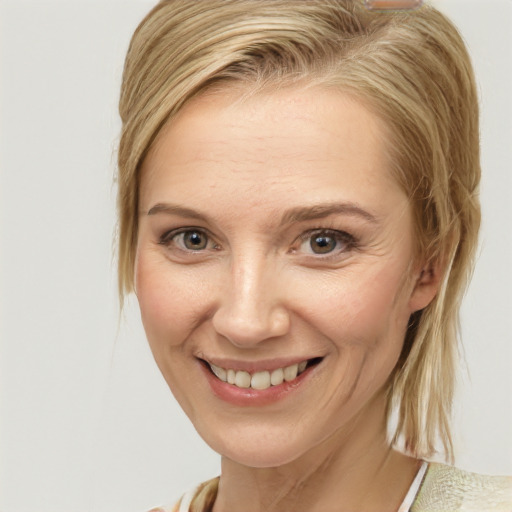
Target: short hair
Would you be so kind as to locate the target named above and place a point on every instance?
(411, 69)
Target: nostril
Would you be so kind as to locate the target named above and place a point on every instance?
(244, 327)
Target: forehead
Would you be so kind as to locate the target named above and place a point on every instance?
(266, 119)
(303, 141)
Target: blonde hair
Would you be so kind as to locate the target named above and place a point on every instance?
(412, 70)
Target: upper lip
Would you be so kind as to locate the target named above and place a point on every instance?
(255, 366)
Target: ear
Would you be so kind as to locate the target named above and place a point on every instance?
(427, 281)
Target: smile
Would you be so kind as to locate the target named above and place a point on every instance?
(261, 380)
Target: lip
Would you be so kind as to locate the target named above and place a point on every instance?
(248, 397)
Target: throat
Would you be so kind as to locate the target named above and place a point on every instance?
(334, 482)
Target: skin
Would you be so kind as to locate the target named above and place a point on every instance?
(258, 290)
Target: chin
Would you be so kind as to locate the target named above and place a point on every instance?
(258, 446)
(267, 456)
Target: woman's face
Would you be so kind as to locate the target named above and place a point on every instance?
(275, 249)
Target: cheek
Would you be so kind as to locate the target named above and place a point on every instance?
(369, 317)
(365, 310)
(170, 300)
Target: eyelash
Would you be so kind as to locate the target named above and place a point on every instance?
(168, 239)
(343, 237)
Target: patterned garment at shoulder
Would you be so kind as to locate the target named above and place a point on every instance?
(443, 489)
(446, 488)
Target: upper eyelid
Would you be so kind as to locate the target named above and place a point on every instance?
(337, 233)
(334, 231)
(305, 234)
(168, 234)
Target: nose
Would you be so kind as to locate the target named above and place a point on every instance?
(251, 307)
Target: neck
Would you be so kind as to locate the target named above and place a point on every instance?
(353, 470)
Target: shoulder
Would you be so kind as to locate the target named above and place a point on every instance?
(448, 488)
(170, 508)
(200, 499)
(182, 505)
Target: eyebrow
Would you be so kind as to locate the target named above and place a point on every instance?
(300, 214)
(297, 214)
(174, 209)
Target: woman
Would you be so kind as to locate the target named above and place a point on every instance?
(298, 216)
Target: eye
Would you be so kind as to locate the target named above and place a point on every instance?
(322, 243)
(326, 242)
(192, 240)
(187, 240)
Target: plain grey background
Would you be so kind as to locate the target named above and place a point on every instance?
(87, 422)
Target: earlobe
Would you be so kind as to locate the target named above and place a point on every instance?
(426, 286)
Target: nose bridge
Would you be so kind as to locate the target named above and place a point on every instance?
(251, 308)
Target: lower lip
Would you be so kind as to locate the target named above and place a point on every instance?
(245, 397)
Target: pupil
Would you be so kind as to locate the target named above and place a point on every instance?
(195, 240)
(323, 244)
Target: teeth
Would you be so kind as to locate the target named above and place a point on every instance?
(243, 380)
(219, 372)
(277, 377)
(290, 372)
(259, 380)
